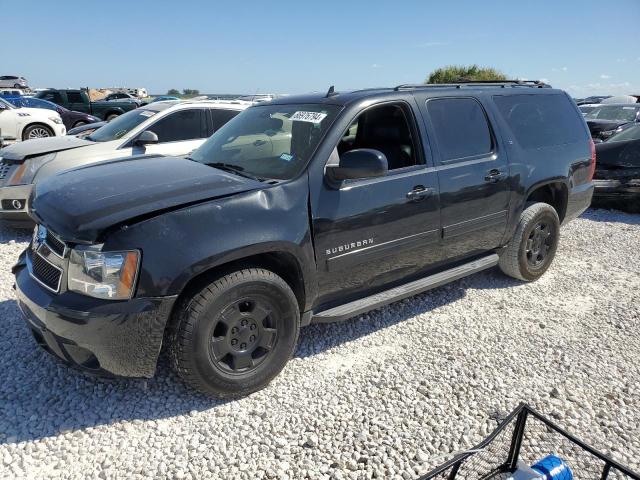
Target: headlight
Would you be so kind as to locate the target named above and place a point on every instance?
(108, 275)
(57, 120)
(25, 172)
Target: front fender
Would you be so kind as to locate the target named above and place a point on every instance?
(182, 244)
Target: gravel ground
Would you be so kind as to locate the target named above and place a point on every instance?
(378, 396)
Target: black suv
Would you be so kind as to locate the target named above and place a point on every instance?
(305, 209)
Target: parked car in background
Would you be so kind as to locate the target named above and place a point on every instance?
(221, 257)
(592, 99)
(87, 129)
(122, 97)
(617, 175)
(78, 100)
(163, 128)
(11, 92)
(70, 118)
(607, 119)
(13, 81)
(18, 123)
(588, 107)
(164, 98)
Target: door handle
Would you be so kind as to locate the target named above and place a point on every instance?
(259, 143)
(494, 176)
(419, 192)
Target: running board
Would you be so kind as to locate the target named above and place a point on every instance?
(348, 310)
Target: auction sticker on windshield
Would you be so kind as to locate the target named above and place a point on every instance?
(313, 117)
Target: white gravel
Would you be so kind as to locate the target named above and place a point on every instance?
(380, 395)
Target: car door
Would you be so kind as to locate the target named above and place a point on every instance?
(372, 232)
(473, 174)
(178, 133)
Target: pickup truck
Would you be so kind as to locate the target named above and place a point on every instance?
(305, 209)
(79, 101)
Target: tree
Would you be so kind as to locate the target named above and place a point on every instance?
(190, 91)
(173, 91)
(458, 73)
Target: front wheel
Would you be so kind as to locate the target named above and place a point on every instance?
(36, 131)
(79, 124)
(111, 116)
(236, 334)
(533, 246)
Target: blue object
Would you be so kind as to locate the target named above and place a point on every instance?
(553, 468)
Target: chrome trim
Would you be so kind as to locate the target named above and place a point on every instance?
(64, 251)
(30, 265)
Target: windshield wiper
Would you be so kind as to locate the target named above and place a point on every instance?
(237, 169)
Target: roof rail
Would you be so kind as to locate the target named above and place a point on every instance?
(477, 83)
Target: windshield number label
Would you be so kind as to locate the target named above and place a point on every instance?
(312, 117)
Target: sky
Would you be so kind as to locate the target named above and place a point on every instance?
(583, 46)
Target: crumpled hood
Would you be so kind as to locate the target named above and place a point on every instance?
(79, 204)
(41, 146)
(597, 126)
(618, 155)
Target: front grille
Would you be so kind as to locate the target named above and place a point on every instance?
(55, 244)
(47, 274)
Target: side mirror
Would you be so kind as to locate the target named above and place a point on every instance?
(146, 138)
(359, 163)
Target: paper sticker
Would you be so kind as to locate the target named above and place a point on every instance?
(312, 117)
(286, 157)
(147, 113)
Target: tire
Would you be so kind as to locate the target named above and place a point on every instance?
(236, 334)
(17, 85)
(79, 123)
(36, 131)
(533, 246)
(111, 116)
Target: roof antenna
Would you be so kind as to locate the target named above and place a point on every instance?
(331, 92)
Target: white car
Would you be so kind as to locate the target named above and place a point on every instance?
(162, 128)
(19, 123)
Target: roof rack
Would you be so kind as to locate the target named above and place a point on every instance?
(477, 83)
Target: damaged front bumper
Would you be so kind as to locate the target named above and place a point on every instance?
(114, 338)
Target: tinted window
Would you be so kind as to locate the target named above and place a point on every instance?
(74, 97)
(541, 120)
(461, 127)
(220, 117)
(182, 125)
(54, 97)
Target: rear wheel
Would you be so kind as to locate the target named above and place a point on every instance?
(235, 335)
(17, 85)
(111, 116)
(36, 131)
(533, 246)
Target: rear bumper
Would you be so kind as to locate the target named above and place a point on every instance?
(12, 213)
(579, 200)
(98, 336)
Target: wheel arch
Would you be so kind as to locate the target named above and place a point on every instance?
(555, 192)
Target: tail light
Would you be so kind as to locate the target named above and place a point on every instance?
(592, 166)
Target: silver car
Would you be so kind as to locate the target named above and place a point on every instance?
(13, 81)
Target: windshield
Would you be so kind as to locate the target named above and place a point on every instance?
(270, 141)
(631, 133)
(6, 104)
(120, 126)
(613, 112)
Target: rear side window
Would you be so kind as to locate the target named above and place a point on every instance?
(541, 120)
(74, 97)
(178, 126)
(54, 97)
(461, 128)
(220, 117)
